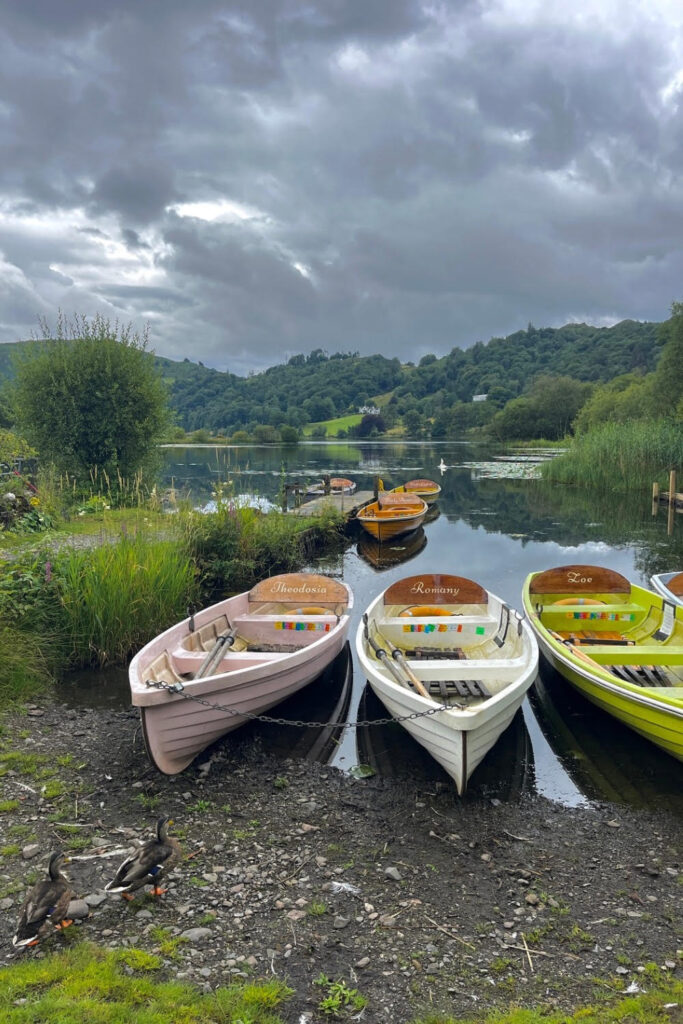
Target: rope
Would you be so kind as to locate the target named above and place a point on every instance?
(178, 688)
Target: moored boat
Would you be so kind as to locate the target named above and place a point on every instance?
(453, 671)
(391, 515)
(669, 585)
(213, 671)
(428, 490)
(336, 485)
(619, 644)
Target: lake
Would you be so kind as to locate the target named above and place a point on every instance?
(495, 522)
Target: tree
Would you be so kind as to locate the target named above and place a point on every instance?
(89, 397)
(669, 372)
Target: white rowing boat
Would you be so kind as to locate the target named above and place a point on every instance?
(451, 662)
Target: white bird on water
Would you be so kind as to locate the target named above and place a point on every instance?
(443, 467)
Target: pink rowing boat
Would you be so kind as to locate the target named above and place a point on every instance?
(200, 678)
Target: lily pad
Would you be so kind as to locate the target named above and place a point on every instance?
(362, 771)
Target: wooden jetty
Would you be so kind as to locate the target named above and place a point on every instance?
(345, 503)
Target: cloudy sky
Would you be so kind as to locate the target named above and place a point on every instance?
(264, 178)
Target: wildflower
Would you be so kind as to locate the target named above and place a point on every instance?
(34, 502)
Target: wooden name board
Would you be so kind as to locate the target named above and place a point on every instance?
(435, 588)
(421, 485)
(300, 588)
(579, 579)
(388, 499)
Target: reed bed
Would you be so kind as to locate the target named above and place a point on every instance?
(24, 671)
(621, 456)
(115, 597)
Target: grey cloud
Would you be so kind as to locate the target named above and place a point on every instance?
(443, 173)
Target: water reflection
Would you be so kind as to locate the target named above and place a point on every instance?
(386, 554)
(606, 760)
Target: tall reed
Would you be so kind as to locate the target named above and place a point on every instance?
(24, 670)
(117, 596)
(621, 456)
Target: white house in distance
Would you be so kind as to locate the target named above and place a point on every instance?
(479, 398)
(368, 410)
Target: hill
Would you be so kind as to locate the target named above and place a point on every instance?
(319, 386)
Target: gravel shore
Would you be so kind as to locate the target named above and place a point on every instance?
(421, 902)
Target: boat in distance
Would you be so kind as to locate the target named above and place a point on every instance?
(428, 490)
(211, 672)
(669, 585)
(619, 644)
(337, 485)
(451, 662)
(391, 515)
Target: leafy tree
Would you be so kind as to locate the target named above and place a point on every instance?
(626, 398)
(289, 435)
(669, 372)
(90, 397)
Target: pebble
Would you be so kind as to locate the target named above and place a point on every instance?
(196, 934)
(77, 910)
(393, 873)
(30, 851)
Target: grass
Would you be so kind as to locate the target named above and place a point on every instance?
(116, 596)
(661, 1004)
(87, 984)
(333, 426)
(621, 456)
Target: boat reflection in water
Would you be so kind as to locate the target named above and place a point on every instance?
(604, 758)
(506, 773)
(386, 554)
(326, 699)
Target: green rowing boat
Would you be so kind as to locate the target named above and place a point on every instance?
(620, 645)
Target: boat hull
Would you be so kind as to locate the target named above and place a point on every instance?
(179, 723)
(647, 716)
(457, 736)
(650, 707)
(392, 516)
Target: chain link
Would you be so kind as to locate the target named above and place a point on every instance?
(178, 688)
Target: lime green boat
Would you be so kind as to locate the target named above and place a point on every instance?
(620, 645)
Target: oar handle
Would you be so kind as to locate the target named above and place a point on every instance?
(398, 656)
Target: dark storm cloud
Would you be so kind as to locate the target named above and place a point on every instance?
(265, 178)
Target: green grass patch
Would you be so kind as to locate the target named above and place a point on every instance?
(332, 427)
(85, 984)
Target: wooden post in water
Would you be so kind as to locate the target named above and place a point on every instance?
(672, 502)
(655, 497)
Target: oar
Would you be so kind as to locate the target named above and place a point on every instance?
(384, 657)
(216, 653)
(398, 656)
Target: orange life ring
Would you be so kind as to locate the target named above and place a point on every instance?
(579, 600)
(311, 609)
(426, 610)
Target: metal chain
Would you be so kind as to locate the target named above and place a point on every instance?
(178, 688)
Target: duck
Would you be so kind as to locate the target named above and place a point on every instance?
(46, 904)
(148, 864)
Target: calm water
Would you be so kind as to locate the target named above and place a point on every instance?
(495, 531)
